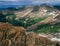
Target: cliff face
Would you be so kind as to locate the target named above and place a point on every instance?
(11, 35)
(17, 36)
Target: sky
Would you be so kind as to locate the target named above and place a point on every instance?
(27, 2)
(8, 0)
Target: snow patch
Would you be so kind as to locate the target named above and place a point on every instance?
(42, 35)
(55, 39)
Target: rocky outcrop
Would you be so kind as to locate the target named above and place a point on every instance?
(17, 36)
(11, 35)
(30, 39)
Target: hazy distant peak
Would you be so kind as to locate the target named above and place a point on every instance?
(46, 5)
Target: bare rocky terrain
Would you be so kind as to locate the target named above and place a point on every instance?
(32, 26)
(17, 36)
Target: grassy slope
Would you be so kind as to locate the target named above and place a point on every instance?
(45, 28)
(42, 28)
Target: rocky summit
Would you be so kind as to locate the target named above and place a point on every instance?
(17, 36)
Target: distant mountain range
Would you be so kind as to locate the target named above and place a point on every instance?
(57, 6)
(16, 6)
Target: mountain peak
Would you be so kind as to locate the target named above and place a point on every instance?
(46, 5)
